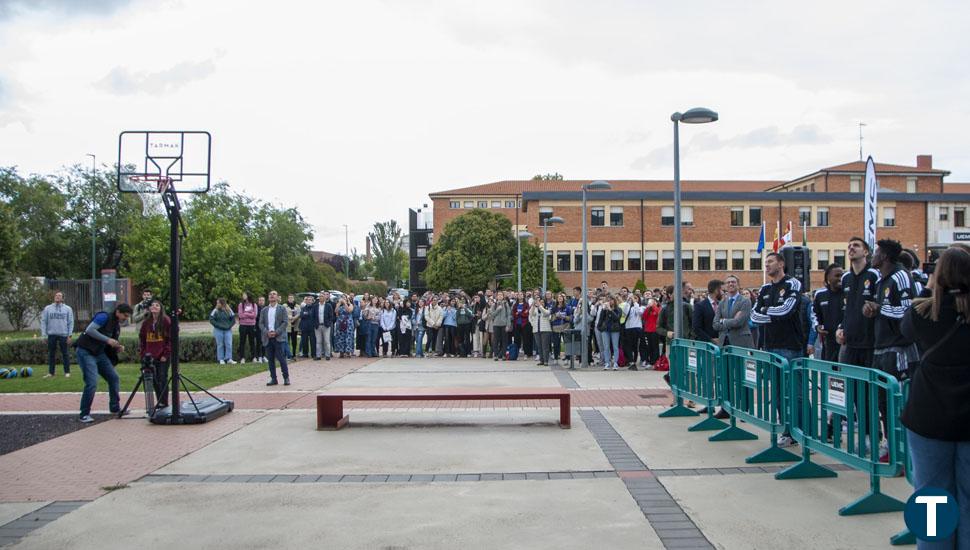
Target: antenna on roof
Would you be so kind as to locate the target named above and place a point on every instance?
(861, 124)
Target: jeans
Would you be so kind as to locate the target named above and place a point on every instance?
(53, 343)
(371, 332)
(544, 339)
(499, 341)
(276, 350)
(611, 348)
(449, 339)
(419, 343)
(223, 344)
(943, 464)
(160, 379)
(432, 338)
(91, 367)
(247, 335)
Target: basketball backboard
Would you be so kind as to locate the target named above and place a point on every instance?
(181, 156)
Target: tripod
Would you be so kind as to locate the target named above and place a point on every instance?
(147, 378)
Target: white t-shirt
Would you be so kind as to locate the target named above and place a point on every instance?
(270, 318)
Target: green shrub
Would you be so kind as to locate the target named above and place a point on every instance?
(33, 351)
(641, 286)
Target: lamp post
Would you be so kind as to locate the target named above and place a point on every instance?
(518, 245)
(697, 115)
(598, 185)
(347, 250)
(545, 248)
(94, 169)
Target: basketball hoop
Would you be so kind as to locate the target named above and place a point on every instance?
(149, 188)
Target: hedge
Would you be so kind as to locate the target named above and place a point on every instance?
(33, 351)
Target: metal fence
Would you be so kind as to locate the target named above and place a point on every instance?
(86, 297)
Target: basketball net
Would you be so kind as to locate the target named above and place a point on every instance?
(150, 189)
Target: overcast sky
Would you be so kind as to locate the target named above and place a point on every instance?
(357, 110)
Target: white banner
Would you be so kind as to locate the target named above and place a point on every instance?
(872, 188)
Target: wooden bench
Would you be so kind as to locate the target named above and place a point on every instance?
(330, 405)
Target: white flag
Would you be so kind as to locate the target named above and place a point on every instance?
(872, 188)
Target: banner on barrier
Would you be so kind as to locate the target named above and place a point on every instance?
(692, 360)
(836, 393)
(751, 372)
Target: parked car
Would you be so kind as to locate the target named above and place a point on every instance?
(402, 292)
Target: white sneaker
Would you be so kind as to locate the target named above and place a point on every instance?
(607, 367)
(67, 375)
(786, 441)
(231, 362)
(242, 360)
(616, 367)
(87, 419)
(48, 375)
(222, 362)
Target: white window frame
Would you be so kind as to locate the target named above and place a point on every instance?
(614, 258)
(454, 204)
(886, 210)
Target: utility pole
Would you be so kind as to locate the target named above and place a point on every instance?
(347, 251)
(861, 124)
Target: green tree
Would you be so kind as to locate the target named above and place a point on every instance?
(532, 271)
(547, 177)
(9, 243)
(42, 233)
(22, 299)
(287, 236)
(472, 249)
(389, 258)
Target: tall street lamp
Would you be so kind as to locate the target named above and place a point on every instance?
(94, 237)
(554, 220)
(598, 185)
(518, 244)
(697, 115)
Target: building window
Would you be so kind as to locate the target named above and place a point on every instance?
(737, 260)
(687, 260)
(562, 261)
(421, 251)
(616, 216)
(889, 216)
(911, 184)
(854, 184)
(703, 260)
(839, 258)
(668, 260)
(686, 215)
(720, 260)
(578, 260)
(510, 204)
(545, 212)
(667, 215)
(755, 260)
(598, 261)
(616, 260)
(737, 216)
(944, 213)
(469, 204)
(597, 216)
(804, 215)
(496, 204)
(454, 204)
(754, 216)
(822, 216)
(959, 217)
(483, 204)
(823, 259)
(650, 260)
(633, 260)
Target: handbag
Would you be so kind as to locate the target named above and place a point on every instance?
(662, 364)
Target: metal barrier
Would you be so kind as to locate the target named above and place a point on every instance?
(753, 389)
(693, 375)
(85, 296)
(820, 389)
(905, 536)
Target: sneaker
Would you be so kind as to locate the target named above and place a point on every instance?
(272, 383)
(632, 367)
(616, 367)
(222, 362)
(607, 367)
(230, 362)
(67, 375)
(242, 361)
(48, 376)
(286, 381)
(786, 441)
(87, 419)
(884, 454)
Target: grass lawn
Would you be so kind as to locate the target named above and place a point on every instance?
(208, 375)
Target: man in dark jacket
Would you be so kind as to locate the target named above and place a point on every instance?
(829, 305)
(324, 318)
(97, 354)
(308, 326)
(703, 317)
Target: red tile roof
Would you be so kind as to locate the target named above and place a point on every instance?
(860, 166)
(516, 187)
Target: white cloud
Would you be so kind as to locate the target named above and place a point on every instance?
(122, 81)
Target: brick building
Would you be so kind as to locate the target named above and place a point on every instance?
(631, 226)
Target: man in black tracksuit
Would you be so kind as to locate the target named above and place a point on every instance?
(858, 287)
(892, 351)
(829, 305)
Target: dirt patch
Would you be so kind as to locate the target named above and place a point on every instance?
(23, 430)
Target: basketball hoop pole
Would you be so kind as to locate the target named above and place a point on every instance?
(175, 289)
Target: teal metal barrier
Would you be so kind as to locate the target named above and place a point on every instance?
(694, 368)
(905, 536)
(754, 389)
(819, 389)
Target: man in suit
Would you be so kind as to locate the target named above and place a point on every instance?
(324, 318)
(272, 323)
(731, 321)
(703, 318)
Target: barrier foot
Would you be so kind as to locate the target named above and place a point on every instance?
(805, 469)
(873, 503)
(902, 538)
(733, 433)
(708, 424)
(678, 410)
(772, 454)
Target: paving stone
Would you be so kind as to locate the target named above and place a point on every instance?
(195, 478)
(659, 473)
(15, 531)
(513, 477)
(468, 477)
(284, 479)
(667, 516)
(352, 479)
(708, 472)
(535, 475)
(422, 477)
(661, 525)
(685, 472)
(260, 479)
(604, 474)
(491, 477)
(217, 479)
(560, 475)
(689, 533)
(375, 479)
(583, 475)
(659, 508)
(751, 469)
(445, 477)
(239, 478)
(698, 542)
(729, 471)
(25, 523)
(398, 478)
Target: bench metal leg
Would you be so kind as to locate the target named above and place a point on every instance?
(330, 414)
(565, 413)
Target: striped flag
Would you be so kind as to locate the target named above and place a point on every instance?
(782, 241)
